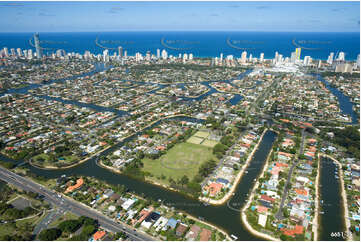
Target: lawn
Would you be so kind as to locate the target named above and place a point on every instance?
(46, 162)
(66, 216)
(209, 143)
(202, 134)
(183, 159)
(195, 140)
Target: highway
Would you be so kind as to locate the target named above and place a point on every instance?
(71, 205)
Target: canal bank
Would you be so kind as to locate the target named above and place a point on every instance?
(345, 103)
(333, 204)
(224, 216)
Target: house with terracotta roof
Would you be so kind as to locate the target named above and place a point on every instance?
(78, 184)
(181, 229)
(193, 233)
(99, 235)
(205, 235)
(298, 229)
(214, 188)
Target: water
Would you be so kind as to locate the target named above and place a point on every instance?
(201, 44)
(332, 219)
(345, 103)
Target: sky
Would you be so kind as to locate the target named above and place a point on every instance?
(165, 16)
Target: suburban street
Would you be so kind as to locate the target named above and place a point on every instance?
(70, 205)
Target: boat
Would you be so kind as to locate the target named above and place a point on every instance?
(234, 237)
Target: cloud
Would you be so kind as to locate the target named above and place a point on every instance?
(337, 9)
(214, 15)
(41, 14)
(234, 6)
(115, 10)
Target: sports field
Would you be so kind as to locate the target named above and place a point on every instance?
(201, 137)
(183, 159)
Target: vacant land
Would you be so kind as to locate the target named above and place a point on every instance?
(182, 159)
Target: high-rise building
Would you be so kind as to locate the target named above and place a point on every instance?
(276, 57)
(6, 52)
(261, 57)
(106, 55)
(12, 51)
(244, 57)
(147, 56)
(319, 64)
(293, 57)
(344, 67)
(330, 58)
(358, 61)
(190, 57)
(30, 54)
(18, 50)
(221, 57)
(298, 53)
(341, 56)
(158, 53)
(37, 46)
(250, 57)
(307, 60)
(120, 52)
(125, 54)
(164, 55)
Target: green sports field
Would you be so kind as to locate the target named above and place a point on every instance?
(183, 159)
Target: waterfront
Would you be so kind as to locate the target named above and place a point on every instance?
(344, 101)
(331, 217)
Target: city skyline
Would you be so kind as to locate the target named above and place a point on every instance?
(180, 16)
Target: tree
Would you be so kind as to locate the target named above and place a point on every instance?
(184, 180)
(69, 225)
(50, 234)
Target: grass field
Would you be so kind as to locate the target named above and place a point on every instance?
(202, 134)
(195, 140)
(201, 138)
(209, 143)
(183, 159)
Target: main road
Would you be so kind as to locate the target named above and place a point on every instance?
(71, 205)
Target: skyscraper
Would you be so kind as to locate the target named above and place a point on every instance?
(158, 53)
(244, 57)
(164, 55)
(18, 50)
(341, 56)
(261, 58)
(37, 46)
(120, 52)
(298, 53)
(330, 58)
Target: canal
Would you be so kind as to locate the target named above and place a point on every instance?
(331, 217)
(345, 103)
(225, 216)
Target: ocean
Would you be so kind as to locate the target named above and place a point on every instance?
(200, 44)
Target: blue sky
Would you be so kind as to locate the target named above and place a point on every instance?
(124, 16)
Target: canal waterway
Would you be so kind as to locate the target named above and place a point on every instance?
(331, 217)
(345, 103)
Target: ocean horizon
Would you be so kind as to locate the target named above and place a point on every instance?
(318, 45)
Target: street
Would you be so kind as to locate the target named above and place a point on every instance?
(70, 205)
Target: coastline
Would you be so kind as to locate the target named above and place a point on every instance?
(243, 211)
(238, 177)
(343, 195)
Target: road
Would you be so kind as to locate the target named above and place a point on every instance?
(48, 219)
(279, 214)
(67, 204)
